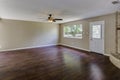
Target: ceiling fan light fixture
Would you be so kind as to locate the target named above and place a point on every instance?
(50, 20)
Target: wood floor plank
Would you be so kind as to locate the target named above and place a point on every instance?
(56, 63)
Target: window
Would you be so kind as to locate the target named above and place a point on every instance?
(96, 31)
(73, 31)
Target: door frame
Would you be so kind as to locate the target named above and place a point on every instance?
(103, 35)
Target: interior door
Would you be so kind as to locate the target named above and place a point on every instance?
(97, 37)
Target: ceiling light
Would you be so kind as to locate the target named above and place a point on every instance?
(50, 20)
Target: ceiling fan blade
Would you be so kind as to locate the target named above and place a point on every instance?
(54, 20)
(58, 19)
(49, 18)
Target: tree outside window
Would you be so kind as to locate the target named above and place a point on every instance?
(73, 31)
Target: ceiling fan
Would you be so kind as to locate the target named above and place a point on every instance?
(52, 19)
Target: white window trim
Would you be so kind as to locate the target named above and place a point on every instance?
(73, 37)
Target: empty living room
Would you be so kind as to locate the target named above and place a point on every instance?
(59, 39)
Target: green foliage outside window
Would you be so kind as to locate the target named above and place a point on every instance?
(73, 31)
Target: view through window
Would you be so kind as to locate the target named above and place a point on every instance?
(73, 31)
(96, 31)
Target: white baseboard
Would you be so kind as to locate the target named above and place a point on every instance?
(81, 48)
(115, 61)
(74, 47)
(107, 55)
(28, 47)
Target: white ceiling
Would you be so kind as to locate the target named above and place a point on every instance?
(69, 10)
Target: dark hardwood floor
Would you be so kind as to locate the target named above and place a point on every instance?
(56, 63)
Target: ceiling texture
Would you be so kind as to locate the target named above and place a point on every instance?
(68, 10)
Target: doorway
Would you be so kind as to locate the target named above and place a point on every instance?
(97, 37)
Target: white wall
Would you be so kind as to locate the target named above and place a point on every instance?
(84, 43)
(20, 34)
